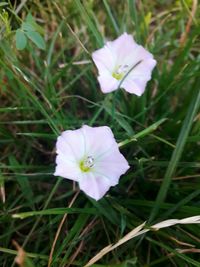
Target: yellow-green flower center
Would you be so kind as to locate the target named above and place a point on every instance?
(86, 164)
(117, 76)
(120, 71)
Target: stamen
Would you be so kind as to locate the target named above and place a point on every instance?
(87, 164)
(122, 69)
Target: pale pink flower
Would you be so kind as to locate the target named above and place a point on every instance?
(123, 63)
(91, 157)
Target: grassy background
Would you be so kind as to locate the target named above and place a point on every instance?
(44, 92)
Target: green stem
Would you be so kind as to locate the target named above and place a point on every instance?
(146, 131)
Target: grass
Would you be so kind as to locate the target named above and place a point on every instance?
(46, 91)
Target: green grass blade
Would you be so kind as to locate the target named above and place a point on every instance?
(182, 139)
(174, 251)
(56, 211)
(112, 19)
(89, 22)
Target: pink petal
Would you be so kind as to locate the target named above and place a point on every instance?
(136, 80)
(108, 83)
(143, 69)
(112, 164)
(104, 59)
(94, 186)
(66, 168)
(134, 86)
(123, 47)
(139, 54)
(68, 143)
(98, 140)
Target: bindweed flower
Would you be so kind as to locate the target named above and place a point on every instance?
(91, 157)
(123, 63)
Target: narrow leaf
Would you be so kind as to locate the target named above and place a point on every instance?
(177, 153)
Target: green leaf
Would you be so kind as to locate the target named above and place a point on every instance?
(21, 40)
(37, 39)
(30, 18)
(27, 27)
(31, 21)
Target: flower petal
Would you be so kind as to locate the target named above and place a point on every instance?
(136, 86)
(104, 59)
(123, 47)
(140, 54)
(112, 164)
(136, 80)
(98, 140)
(94, 186)
(68, 143)
(143, 69)
(66, 168)
(108, 83)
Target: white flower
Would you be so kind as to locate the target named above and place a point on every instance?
(90, 156)
(123, 63)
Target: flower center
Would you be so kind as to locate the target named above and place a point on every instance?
(86, 164)
(120, 71)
